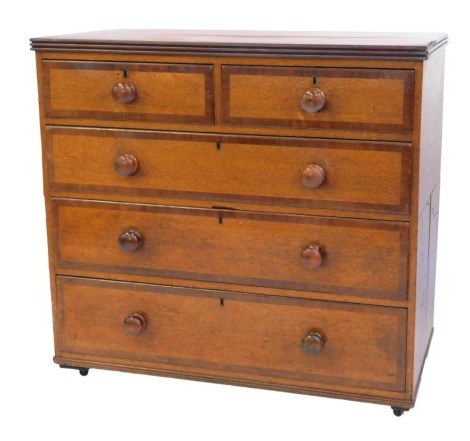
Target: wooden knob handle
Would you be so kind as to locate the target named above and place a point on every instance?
(313, 176)
(312, 256)
(312, 343)
(134, 325)
(126, 165)
(313, 100)
(130, 241)
(124, 92)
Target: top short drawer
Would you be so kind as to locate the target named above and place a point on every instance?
(154, 92)
(355, 99)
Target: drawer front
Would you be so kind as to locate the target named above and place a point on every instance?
(161, 92)
(357, 99)
(350, 345)
(343, 256)
(278, 338)
(297, 173)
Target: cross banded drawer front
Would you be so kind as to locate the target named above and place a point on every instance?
(134, 91)
(365, 258)
(358, 99)
(293, 172)
(361, 346)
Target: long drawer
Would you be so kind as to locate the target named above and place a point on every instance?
(342, 256)
(133, 91)
(315, 97)
(366, 176)
(277, 339)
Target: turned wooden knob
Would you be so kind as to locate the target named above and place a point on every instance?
(130, 241)
(312, 343)
(126, 165)
(124, 92)
(313, 176)
(312, 256)
(134, 325)
(313, 100)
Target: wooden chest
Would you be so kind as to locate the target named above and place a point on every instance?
(254, 208)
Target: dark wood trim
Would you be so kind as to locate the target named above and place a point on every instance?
(63, 266)
(407, 75)
(406, 174)
(205, 69)
(357, 394)
(396, 386)
(402, 148)
(402, 227)
(233, 52)
(236, 214)
(327, 72)
(405, 259)
(408, 100)
(231, 198)
(283, 141)
(390, 46)
(399, 313)
(234, 296)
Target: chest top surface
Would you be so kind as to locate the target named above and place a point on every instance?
(399, 46)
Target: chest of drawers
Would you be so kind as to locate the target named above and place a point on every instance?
(256, 209)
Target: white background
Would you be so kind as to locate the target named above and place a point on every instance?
(39, 400)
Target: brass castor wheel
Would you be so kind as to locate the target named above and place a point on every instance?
(399, 411)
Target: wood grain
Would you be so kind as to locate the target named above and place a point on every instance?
(364, 258)
(164, 92)
(362, 99)
(217, 168)
(364, 345)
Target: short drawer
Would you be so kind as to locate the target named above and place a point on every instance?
(342, 256)
(366, 176)
(287, 340)
(331, 98)
(132, 91)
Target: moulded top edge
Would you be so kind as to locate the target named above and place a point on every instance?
(252, 43)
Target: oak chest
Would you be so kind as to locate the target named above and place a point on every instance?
(254, 208)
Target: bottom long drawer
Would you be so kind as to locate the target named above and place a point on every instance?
(281, 340)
